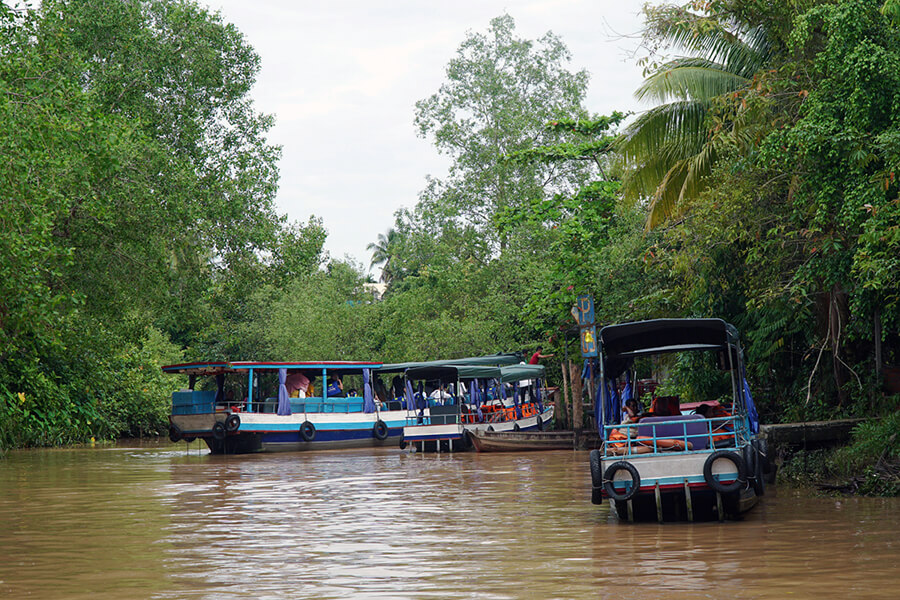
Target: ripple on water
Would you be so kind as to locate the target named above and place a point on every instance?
(157, 522)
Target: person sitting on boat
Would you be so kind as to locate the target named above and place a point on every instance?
(297, 385)
(335, 387)
(440, 395)
(632, 412)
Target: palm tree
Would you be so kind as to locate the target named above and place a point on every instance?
(383, 249)
(671, 147)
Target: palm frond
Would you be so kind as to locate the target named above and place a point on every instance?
(687, 79)
(677, 127)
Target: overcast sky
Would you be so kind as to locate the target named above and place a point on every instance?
(342, 77)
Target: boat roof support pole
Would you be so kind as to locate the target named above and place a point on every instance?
(603, 394)
(324, 384)
(249, 406)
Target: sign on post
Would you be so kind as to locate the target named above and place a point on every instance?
(588, 341)
(583, 311)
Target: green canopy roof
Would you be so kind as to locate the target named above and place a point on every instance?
(512, 373)
(489, 360)
(452, 373)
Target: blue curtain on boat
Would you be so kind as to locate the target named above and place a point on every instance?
(537, 395)
(368, 396)
(220, 388)
(408, 393)
(612, 405)
(284, 401)
(421, 401)
(475, 398)
(752, 415)
(516, 399)
(627, 393)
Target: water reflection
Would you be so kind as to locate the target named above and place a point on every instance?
(164, 523)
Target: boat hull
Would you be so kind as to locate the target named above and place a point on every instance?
(508, 441)
(676, 487)
(459, 436)
(266, 432)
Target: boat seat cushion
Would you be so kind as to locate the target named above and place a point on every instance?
(697, 429)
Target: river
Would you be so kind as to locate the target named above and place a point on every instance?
(161, 521)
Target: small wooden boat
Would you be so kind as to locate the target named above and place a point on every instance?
(521, 441)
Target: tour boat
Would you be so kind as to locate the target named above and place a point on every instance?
(240, 407)
(253, 421)
(470, 399)
(668, 465)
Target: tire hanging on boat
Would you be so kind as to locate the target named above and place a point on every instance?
(307, 431)
(218, 430)
(175, 434)
(516, 427)
(380, 430)
(232, 423)
(753, 461)
(596, 478)
(540, 423)
(610, 473)
(402, 442)
(717, 485)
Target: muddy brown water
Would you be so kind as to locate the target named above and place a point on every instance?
(157, 521)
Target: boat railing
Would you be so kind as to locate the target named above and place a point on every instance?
(679, 434)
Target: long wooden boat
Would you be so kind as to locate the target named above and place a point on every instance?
(521, 441)
(668, 465)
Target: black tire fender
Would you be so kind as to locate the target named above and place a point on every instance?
(611, 471)
(175, 434)
(717, 485)
(380, 430)
(307, 431)
(596, 477)
(516, 427)
(218, 430)
(540, 423)
(402, 442)
(233, 422)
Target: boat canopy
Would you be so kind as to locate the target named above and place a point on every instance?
(511, 373)
(659, 336)
(199, 368)
(452, 373)
(508, 358)
(217, 368)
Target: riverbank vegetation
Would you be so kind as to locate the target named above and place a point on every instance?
(756, 182)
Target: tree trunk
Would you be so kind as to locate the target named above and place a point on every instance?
(577, 409)
(563, 408)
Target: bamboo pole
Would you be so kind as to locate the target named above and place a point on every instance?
(564, 409)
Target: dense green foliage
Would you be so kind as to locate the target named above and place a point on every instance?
(138, 225)
(137, 193)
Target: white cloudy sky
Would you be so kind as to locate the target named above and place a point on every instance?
(342, 78)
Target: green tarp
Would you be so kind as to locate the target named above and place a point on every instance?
(489, 360)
